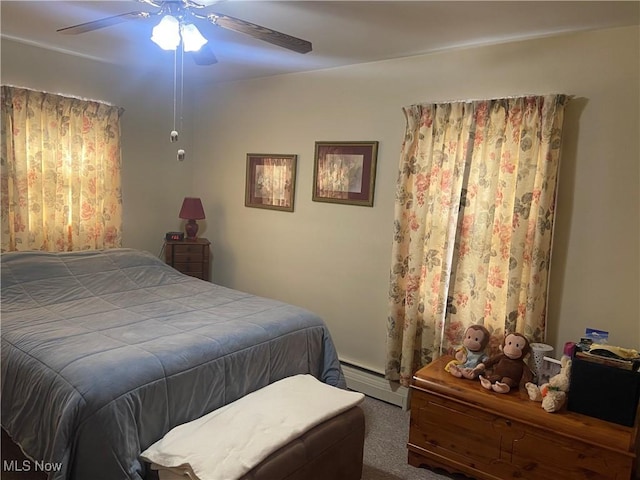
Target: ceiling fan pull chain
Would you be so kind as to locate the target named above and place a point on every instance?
(181, 152)
(181, 83)
(174, 132)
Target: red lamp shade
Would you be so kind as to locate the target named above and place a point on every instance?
(191, 211)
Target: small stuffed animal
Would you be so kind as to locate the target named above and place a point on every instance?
(552, 394)
(505, 370)
(470, 354)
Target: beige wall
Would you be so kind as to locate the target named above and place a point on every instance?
(334, 259)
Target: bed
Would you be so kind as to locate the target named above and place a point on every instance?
(104, 352)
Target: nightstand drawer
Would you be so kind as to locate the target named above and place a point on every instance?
(188, 268)
(187, 257)
(187, 249)
(190, 257)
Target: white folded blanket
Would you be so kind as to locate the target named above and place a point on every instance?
(228, 442)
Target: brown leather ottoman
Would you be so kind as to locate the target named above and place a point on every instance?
(332, 450)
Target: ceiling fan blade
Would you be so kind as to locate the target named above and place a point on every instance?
(102, 23)
(261, 33)
(204, 56)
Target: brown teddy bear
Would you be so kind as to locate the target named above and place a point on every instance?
(504, 371)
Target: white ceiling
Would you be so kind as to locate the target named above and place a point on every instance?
(341, 32)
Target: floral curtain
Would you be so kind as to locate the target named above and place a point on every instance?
(473, 222)
(61, 160)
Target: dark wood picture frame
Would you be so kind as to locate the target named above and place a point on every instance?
(345, 172)
(271, 181)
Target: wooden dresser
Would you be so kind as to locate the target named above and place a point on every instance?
(461, 427)
(190, 257)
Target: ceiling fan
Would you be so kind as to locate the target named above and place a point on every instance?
(177, 17)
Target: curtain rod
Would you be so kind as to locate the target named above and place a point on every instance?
(471, 100)
(62, 95)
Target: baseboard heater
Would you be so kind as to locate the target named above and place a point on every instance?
(374, 385)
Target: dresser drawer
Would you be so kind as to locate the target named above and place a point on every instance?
(451, 429)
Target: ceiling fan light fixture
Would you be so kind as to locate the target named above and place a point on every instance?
(192, 38)
(167, 33)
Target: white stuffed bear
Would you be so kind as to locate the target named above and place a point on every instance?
(552, 394)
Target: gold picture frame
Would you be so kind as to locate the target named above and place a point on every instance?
(345, 172)
(271, 181)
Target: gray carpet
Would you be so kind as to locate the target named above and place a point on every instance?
(385, 445)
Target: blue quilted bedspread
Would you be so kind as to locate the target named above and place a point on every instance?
(104, 352)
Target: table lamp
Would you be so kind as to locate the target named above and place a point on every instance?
(191, 211)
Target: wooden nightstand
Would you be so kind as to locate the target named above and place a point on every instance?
(461, 427)
(190, 257)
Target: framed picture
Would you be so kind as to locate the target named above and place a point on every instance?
(345, 172)
(271, 180)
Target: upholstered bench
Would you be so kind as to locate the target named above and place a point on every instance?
(331, 450)
(295, 429)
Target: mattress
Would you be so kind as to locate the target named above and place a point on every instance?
(104, 352)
